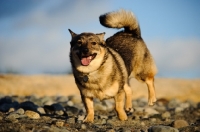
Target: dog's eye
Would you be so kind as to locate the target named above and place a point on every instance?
(79, 43)
(93, 43)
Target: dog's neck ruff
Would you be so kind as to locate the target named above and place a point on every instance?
(85, 76)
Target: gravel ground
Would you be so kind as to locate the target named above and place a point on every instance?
(66, 113)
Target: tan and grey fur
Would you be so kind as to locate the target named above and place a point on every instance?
(102, 69)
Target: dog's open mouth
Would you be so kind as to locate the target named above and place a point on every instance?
(85, 60)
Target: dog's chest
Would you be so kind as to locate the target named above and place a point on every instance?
(97, 86)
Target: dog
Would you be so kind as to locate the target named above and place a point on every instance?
(102, 69)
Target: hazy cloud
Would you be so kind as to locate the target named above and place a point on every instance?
(34, 37)
(177, 57)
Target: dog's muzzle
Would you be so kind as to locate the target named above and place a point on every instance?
(86, 57)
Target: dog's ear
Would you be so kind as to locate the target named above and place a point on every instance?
(72, 33)
(101, 36)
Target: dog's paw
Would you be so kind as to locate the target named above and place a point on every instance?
(122, 116)
(152, 101)
(129, 111)
(88, 119)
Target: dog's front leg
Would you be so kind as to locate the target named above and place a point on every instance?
(88, 103)
(119, 100)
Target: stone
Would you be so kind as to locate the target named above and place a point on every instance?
(173, 104)
(103, 117)
(13, 116)
(142, 102)
(59, 112)
(62, 99)
(160, 108)
(151, 111)
(70, 103)
(59, 123)
(100, 107)
(76, 99)
(109, 103)
(180, 123)
(49, 109)
(142, 123)
(28, 105)
(161, 128)
(71, 120)
(126, 130)
(166, 115)
(83, 126)
(32, 114)
(11, 110)
(41, 110)
(101, 122)
(185, 105)
(4, 107)
(153, 119)
(20, 111)
(111, 130)
(71, 110)
(81, 117)
(178, 109)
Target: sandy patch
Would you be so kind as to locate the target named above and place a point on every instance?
(51, 85)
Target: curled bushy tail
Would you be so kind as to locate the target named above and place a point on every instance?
(121, 19)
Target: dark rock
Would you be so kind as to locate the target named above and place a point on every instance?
(6, 103)
(162, 129)
(28, 105)
(72, 111)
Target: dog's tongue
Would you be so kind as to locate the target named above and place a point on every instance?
(86, 60)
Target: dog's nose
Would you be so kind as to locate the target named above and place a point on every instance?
(85, 50)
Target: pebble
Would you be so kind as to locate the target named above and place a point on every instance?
(166, 115)
(60, 123)
(20, 111)
(76, 99)
(71, 120)
(178, 109)
(64, 114)
(111, 130)
(161, 128)
(151, 111)
(153, 119)
(101, 122)
(41, 110)
(142, 102)
(100, 107)
(81, 117)
(32, 114)
(62, 99)
(70, 103)
(59, 112)
(11, 110)
(173, 104)
(13, 116)
(83, 126)
(180, 123)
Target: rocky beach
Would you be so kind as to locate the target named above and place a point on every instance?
(47, 103)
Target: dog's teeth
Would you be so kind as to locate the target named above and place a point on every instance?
(90, 57)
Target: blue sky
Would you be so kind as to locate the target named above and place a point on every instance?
(34, 36)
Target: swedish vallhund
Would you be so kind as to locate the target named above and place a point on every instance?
(102, 69)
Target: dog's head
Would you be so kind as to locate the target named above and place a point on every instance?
(87, 50)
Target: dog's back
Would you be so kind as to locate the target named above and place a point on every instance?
(129, 44)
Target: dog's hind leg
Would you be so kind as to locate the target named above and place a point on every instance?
(128, 92)
(119, 100)
(151, 90)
